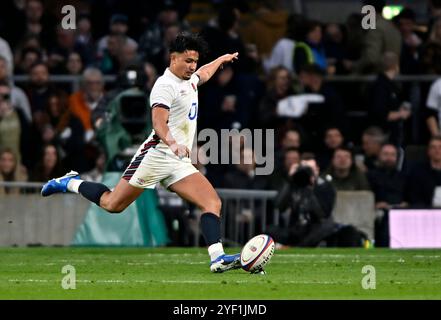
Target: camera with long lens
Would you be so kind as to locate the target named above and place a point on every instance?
(302, 177)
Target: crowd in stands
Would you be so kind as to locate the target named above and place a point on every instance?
(281, 81)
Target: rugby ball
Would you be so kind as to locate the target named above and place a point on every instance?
(256, 253)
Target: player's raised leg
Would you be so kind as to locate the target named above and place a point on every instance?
(112, 201)
(197, 189)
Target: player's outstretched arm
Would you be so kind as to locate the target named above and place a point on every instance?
(207, 71)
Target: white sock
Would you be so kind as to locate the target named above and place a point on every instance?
(215, 250)
(73, 185)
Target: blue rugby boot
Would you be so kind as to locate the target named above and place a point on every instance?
(225, 262)
(58, 184)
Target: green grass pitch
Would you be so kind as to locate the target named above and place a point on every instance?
(183, 273)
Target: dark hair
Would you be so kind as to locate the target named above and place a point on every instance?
(188, 41)
(344, 148)
(305, 27)
(376, 132)
(389, 144)
(38, 63)
(407, 13)
(291, 149)
(307, 156)
(32, 50)
(331, 127)
(434, 138)
(312, 68)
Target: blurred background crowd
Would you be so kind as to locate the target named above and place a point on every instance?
(380, 133)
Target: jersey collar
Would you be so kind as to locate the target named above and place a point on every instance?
(172, 75)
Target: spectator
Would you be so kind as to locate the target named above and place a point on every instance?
(84, 31)
(118, 26)
(311, 199)
(223, 37)
(152, 75)
(49, 165)
(431, 51)
(201, 162)
(333, 139)
(39, 89)
(411, 42)
(27, 58)
(227, 110)
(29, 42)
(18, 98)
(371, 141)
(59, 52)
(84, 101)
(318, 116)
(109, 62)
(152, 40)
(433, 108)
(283, 52)
(335, 48)
(66, 131)
(74, 64)
(424, 179)
(387, 108)
(287, 139)
(291, 139)
(279, 86)
(96, 174)
(243, 175)
(10, 126)
(384, 38)
(388, 186)
(85, 39)
(266, 27)
(160, 59)
(346, 176)
(39, 22)
(11, 171)
(6, 53)
(127, 56)
(311, 50)
(291, 156)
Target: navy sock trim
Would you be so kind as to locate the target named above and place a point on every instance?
(92, 191)
(211, 228)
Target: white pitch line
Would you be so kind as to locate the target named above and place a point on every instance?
(336, 282)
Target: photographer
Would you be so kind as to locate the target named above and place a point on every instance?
(311, 200)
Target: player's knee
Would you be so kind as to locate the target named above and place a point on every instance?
(213, 205)
(112, 206)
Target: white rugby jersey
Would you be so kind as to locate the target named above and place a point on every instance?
(181, 96)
